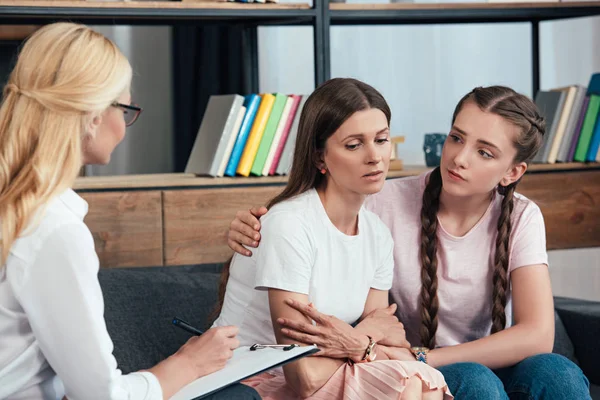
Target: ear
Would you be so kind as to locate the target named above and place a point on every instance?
(320, 163)
(93, 125)
(513, 174)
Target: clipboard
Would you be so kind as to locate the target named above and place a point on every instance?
(244, 364)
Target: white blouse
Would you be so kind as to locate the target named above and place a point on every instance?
(54, 341)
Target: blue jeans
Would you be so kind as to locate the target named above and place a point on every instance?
(541, 377)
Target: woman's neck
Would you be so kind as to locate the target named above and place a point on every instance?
(342, 207)
(458, 214)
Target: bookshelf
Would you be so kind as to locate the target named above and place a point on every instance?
(174, 219)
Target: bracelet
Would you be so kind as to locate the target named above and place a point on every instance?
(370, 354)
(420, 353)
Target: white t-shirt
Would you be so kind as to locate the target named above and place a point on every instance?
(52, 329)
(302, 251)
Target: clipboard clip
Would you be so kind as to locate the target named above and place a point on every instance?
(284, 347)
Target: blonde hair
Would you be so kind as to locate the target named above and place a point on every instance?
(65, 75)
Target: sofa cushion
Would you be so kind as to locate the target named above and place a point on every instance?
(581, 319)
(140, 304)
(562, 342)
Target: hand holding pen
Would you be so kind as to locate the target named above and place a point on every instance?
(209, 350)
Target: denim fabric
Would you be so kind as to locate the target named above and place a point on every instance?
(540, 377)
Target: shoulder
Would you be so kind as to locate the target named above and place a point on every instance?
(525, 211)
(376, 226)
(408, 187)
(53, 225)
(399, 195)
(290, 215)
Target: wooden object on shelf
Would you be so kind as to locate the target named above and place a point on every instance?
(396, 163)
(127, 227)
(16, 32)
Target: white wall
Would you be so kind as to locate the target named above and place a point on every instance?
(575, 273)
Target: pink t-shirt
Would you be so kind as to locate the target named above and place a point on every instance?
(465, 263)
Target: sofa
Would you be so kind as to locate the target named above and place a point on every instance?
(141, 302)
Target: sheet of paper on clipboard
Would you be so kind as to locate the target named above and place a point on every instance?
(244, 364)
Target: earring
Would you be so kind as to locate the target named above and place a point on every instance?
(323, 170)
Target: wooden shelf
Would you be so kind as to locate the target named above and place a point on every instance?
(164, 181)
(443, 13)
(157, 12)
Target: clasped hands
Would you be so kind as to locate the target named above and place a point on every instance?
(337, 339)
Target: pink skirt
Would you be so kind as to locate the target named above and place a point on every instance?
(379, 380)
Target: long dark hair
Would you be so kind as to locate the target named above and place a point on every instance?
(524, 114)
(324, 111)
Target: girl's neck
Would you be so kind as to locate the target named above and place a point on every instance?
(342, 207)
(459, 214)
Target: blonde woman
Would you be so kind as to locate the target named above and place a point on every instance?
(67, 103)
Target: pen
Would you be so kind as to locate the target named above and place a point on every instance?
(186, 327)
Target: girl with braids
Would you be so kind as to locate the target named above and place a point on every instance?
(320, 245)
(67, 103)
(471, 282)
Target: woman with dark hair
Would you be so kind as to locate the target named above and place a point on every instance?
(321, 246)
(471, 279)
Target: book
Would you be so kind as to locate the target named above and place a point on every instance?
(287, 155)
(563, 152)
(268, 134)
(283, 124)
(232, 139)
(214, 134)
(594, 143)
(258, 129)
(561, 129)
(286, 132)
(550, 105)
(575, 140)
(244, 364)
(587, 129)
(251, 103)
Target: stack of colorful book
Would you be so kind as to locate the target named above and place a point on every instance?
(572, 123)
(243, 136)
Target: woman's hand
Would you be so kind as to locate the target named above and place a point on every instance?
(383, 320)
(210, 352)
(334, 337)
(244, 230)
(199, 356)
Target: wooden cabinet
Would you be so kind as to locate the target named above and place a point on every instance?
(127, 227)
(171, 223)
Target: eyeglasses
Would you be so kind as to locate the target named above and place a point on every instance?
(131, 112)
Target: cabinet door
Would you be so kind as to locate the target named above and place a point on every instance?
(127, 227)
(570, 203)
(197, 221)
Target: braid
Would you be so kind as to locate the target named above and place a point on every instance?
(500, 278)
(429, 223)
(537, 122)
